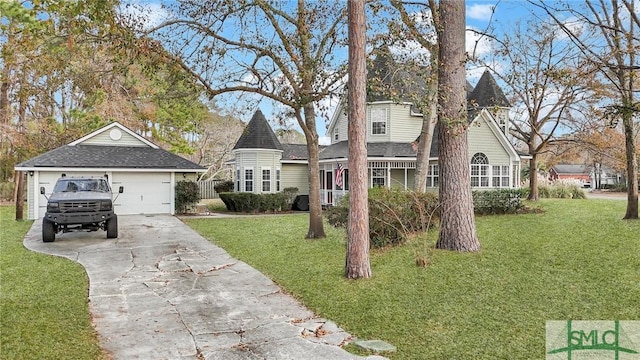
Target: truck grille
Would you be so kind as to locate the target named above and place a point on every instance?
(79, 206)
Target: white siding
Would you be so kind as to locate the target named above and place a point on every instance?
(398, 179)
(404, 127)
(295, 175)
(342, 126)
(482, 139)
(31, 195)
(104, 139)
(257, 160)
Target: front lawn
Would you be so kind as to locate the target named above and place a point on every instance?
(44, 312)
(577, 260)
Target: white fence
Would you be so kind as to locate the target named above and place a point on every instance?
(207, 190)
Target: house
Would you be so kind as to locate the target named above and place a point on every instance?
(595, 177)
(262, 164)
(147, 172)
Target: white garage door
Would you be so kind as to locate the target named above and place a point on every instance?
(144, 193)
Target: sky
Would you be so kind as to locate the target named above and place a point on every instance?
(481, 15)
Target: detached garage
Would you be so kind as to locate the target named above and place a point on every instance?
(147, 172)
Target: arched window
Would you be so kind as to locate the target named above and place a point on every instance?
(479, 170)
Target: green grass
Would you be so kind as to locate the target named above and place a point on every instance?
(577, 260)
(44, 312)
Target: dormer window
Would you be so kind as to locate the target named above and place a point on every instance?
(378, 121)
(336, 134)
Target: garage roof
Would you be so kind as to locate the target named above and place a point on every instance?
(113, 146)
(93, 156)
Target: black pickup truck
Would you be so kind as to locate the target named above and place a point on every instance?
(79, 204)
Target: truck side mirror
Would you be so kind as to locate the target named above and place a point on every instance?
(42, 190)
(120, 189)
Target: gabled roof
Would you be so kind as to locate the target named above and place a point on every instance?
(386, 76)
(258, 135)
(104, 148)
(100, 156)
(572, 169)
(487, 93)
(115, 126)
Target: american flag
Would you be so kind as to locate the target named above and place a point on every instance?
(339, 173)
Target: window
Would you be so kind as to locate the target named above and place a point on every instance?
(433, 175)
(248, 180)
(500, 176)
(378, 121)
(277, 180)
(336, 134)
(479, 170)
(266, 180)
(238, 179)
(378, 177)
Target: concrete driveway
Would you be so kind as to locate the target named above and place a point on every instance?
(161, 291)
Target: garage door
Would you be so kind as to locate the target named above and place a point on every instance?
(48, 180)
(144, 193)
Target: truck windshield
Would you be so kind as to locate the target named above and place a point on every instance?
(72, 185)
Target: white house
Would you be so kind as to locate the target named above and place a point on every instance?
(263, 165)
(147, 172)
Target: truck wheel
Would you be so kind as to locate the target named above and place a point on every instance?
(48, 231)
(112, 228)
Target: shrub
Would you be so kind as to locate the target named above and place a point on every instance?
(393, 214)
(561, 190)
(187, 195)
(498, 201)
(224, 186)
(251, 203)
(290, 195)
(6, 191)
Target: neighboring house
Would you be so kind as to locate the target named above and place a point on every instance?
(579, 173)
(265, 165)
(588, 176)
(147, 172)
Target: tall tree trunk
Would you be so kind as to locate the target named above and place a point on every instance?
(424, 145)
(457, 223)
(316, 227)
(533, 175)
(357, 262)
(632, 167)
(4, 100)
(19, 180)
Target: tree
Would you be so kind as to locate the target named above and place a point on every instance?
(547, 82)
(65, 72)
(280, 51)
(357, 262)
(416, 27)
(214, 144)
(605, 33)
(457, 223)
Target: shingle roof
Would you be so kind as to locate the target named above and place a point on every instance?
(297, 151)
(340, 150)
(258, 135)
(487, 93)
(385, 76)
(570, 169)
(94, 156)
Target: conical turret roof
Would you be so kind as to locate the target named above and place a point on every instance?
(487, 93)
(258, 135)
